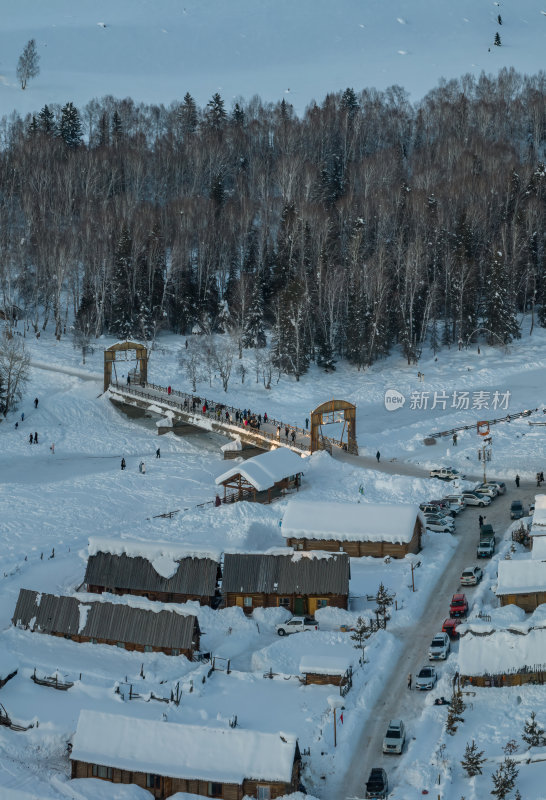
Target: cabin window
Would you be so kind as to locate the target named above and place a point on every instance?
(175, 651)
(298, 546)
(264, 792)
(148, 648)
(102, 772)
(121, 644)
(93, 641)
(284, 602)
(215, 789)
(152, 781)
(322, 602)
(247, 602)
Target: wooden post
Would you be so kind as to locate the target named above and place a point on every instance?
(335, 729)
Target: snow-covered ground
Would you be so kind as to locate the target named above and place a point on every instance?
(156, 50)
(51, 504)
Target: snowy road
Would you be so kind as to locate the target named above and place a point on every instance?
(396, 700)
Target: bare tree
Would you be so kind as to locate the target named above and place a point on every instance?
(222, 358)
(28, 64)
(14, 369)
(191, 360)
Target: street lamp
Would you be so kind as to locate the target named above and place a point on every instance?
(414, 567)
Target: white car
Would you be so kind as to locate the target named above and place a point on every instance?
(439, 647)
(486, 488)
(394, 737)
(500, 486)
(471, 576)
(474, 499)
(456, 500)
(446, 473)
(296, 625)
(440, 524)
(426, 679)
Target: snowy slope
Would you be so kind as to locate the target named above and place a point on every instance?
(156, 50)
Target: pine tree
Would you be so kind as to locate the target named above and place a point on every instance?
(121, 287)
(28, 65)
(188, 115)
(383, 600)
(500, 313)
(253, 332)
(117, 129)
(217, 191)
(504, 779)
(290, 343)
(499, 19)
(497, 41)
(70, 128)
(349, 102)
(46, 121)
(361, 633)
(473, 760)
(238, 115)
(533, 734)
(456, 709)
(216, 113)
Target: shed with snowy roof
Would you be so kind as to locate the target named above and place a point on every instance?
(262, 478)
(325, 668)
(359, 529)
(299, 582)
(137, 625)
(160, 571)
(522, 582)
(168, 757)
(508, 657)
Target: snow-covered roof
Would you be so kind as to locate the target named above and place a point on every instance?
(182, 751)
(265, 470)
(234, 444)
(324, 664)
(521, 576)
(373, 522)
(538, 524)
(163, 556)
(538, 551)
(501, 651)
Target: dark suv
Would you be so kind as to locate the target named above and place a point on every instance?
(377, 785)
(516, 510)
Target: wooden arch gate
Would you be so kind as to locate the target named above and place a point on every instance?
(110, 357)
(328, 413)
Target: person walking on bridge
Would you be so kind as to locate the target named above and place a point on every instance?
(35, 402)
(265, 416)
(293, 436)
(378, 456)
(123, 465)
(517, 481)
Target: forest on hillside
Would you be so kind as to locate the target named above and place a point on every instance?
(370, 222)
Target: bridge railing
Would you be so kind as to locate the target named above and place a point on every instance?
(193, 404)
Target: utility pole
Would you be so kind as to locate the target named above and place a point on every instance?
(484, 452)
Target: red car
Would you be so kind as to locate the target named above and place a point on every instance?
(450, 627)
(458, 606)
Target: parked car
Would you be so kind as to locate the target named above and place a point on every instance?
(434, 507)
(486, 488)
(473, 499)
(446, 507)
(426, 679)
(377, 785)
(456, 499)
(471, 576)
(296, 625)
(439, 647)
(441, 524)
(458, 606)
(516, 510)
(395, 737)
(501, 486)
(446, 473)
(450, 626)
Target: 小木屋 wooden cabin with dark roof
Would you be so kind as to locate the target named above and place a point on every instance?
(358, 529)
(147, 628)
(326, 668)
(166, 757)
(159, 571)
(299, 582)
(510, 656)
(262, 478)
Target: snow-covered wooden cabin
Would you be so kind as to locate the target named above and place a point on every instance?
(299, 582)
(507, 657)
(359, 529)
(160, 571)
(522, 582)
(262, 478)
(167, 757)
(135, 625)
(327, 669)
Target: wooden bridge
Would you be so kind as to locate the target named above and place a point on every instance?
(218, 417)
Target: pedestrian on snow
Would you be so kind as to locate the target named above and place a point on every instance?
(517, 481)
(293, 436)
(52, 448)
(307, 422)
(158, 453)
(378, 456)
(186, 344)
(279, 432)
(245, 422)
(143, 465)
(455, 439)
(168, 389)
(244, 413)
(193, 405)
(260, 418)
(35, 402)
(123, 464)
(16, 425)
(217, 501)
(140, 466)
(418, 376)
(480, 520)
(265, 416)
(35, 438)
(204, 409)
(286, 431)
(538, 478)
(128, 380)
(227, 416)
(30, 439)
(22, 416)
(542, 477)
(409, 681)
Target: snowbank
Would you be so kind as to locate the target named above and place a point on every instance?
(501, 651)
